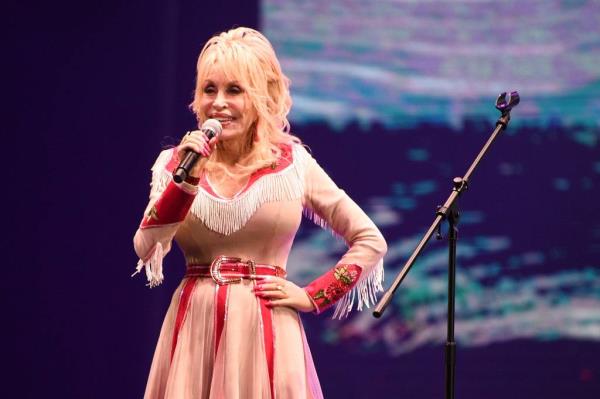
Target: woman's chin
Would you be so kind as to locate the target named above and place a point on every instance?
(231, 134)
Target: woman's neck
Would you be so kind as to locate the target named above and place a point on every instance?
(232, 152)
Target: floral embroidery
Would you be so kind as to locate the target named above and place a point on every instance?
(344, 280)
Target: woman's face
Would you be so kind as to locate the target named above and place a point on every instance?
(227, 101)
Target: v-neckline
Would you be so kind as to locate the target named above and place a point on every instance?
(285, 161)
(237, 194)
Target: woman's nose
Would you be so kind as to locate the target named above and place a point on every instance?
(220, 101)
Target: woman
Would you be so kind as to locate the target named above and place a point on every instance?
(232, 329)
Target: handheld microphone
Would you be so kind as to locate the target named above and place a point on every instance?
(211, 128)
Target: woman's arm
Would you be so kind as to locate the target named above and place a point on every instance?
(358, 275)
(168, 206)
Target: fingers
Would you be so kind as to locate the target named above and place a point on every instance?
(302, 303)
(197, 141)
(279, 292)
(271, 290)
(213, 141)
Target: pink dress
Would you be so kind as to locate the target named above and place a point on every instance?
(209, 352)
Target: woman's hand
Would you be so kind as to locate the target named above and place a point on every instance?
(196, 141)
(280, 292)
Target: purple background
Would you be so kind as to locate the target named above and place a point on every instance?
(94, 90)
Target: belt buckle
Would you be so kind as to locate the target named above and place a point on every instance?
(215, 270)
(252, 265)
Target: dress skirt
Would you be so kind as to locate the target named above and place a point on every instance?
(218, 342)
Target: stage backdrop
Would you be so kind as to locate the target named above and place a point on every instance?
(395, 98)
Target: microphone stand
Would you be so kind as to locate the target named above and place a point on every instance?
(449, 211)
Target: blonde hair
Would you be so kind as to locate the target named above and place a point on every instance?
(246, 56)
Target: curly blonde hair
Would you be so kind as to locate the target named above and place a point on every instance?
(246, 56)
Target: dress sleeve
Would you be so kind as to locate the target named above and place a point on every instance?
(168, 206)
(358, 275)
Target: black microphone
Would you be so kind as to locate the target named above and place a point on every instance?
(210, 128)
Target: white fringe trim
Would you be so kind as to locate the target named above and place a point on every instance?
(322, 223)
(153, 265)
(226, 216)
(365, 292)
(160, 176)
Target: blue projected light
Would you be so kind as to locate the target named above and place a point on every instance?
(400, 63)
(528, 263)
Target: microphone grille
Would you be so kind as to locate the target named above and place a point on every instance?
(213, 125)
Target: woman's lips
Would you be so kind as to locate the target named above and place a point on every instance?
(225, 120)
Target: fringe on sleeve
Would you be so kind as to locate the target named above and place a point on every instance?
(364, 293)
(153, 266)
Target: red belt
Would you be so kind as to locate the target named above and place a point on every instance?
(229, 270)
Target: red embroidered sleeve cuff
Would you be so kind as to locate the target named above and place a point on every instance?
(172, 207)
(332, 286)
(192, 180)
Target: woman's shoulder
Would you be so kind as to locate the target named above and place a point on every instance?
(298, 152)
(291, 154)
(167, 160)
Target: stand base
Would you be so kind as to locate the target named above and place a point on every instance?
(450, 367)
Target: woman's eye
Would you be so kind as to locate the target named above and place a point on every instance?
(209, 89)
(234, 89)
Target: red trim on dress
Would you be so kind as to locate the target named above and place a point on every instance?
(285, 160)
(267, 322)
(267, 328)
(220, 313)
(184, 302)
